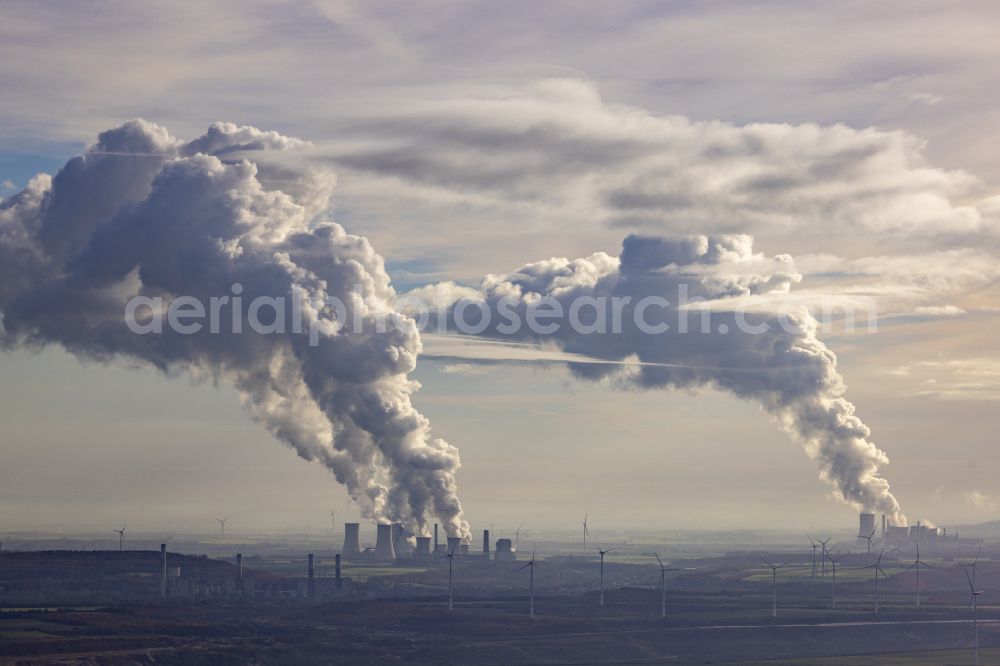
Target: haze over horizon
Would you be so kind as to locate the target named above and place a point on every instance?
(474, 139)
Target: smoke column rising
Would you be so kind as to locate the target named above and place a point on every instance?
(785, 369)
(143, 214)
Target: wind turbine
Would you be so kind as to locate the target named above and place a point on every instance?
(878, 570)
(333, 522)
(974, 566)
(975, 615)
(222, 525)
(603, 553)
(823, 559)
(585, 531)
(815, 545)
(869, 540)
(121, 538)
(530, 566)
(663, 585)
(451, 596)
(916, 565)
(834, 561)
(774, 586)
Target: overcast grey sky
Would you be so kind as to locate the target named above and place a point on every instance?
(473, 138)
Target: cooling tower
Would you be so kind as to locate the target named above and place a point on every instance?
(383, 543)
(352, 543)
(423, 550)
(453, 544)
(866, 525)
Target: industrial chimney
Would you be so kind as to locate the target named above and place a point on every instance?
(486, 544)
(311, 589)
(883, 526)
(435, 538)
(337, 581)
(163, 577)
(383, 543)
(352, 543)
(239, 573)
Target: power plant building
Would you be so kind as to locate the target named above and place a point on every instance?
(383, 543)
(505, 551)
(866, 524)
(352, 542)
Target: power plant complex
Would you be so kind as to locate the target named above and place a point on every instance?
(394, 542)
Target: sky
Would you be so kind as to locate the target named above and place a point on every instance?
(475, 138)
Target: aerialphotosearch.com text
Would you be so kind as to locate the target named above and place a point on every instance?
(541, 316)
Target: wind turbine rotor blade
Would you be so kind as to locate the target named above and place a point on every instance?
(658, 559)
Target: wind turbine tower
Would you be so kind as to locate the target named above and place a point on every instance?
(222, 526)
(774, 586)
(663, 585)
(916, 565)
(833, 562)
(530, 566)
(451, 594)
(878, 570)
(121, 538)
(975, 616)
(602, 554)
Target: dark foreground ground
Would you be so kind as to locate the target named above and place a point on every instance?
(483, 633)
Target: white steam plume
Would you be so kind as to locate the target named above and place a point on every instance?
(143, 214)
(787, 369)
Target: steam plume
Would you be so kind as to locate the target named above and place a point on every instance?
(143, 214)
(786, 369)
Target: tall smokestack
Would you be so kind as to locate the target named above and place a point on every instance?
(383, 543)
(883, 526)
(311, 589)
(486, 544)
(163, 575)
(435, 538)
(352, 541)
(239, 572)
(337, 581)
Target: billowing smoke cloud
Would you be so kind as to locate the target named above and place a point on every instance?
(143, 214)
(679, 324)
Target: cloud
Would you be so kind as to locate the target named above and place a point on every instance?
(556, 147)
(980, 501)
(940, 310)
(954, 379)
(143, 214)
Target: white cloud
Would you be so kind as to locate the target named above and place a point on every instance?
(954, 379)
(980, 501)
(939, 310)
